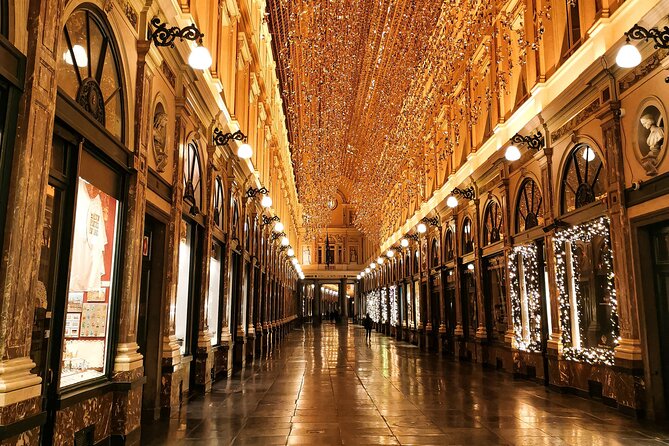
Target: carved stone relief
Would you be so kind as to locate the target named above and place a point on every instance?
(160, 138)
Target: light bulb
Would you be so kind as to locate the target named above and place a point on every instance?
(373, 265)
(367, 270)
(588, 154)
(358, 277)
(294, 261)
(278, 226)
(628, 56)
(417, 253)
(451, 201)
(379, 260)
(421, 228)
(404, 242)
(285, 241)
(512, 153)
(199, 58)
(390, 253)
(266, 201)
(290, 252)
(245, 151)
(80, 56)
(470, 267)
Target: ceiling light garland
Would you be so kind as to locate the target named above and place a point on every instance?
(585, 232)
(374, 95)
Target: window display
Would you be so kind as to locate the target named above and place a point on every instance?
(183, 286)
(394, 308)
(469, 291)
(587, 296)
(409, 301)
(90, 286)
(496, 283)
(384, 306)
(525, 297)
(214, 293)
(416, 296)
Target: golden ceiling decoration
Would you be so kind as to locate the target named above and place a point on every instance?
(367, 87)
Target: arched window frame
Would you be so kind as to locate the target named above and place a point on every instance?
(219, 211)
(588, 166)
(90, 83)
(234, 228)
(492, 223)
(529, 206)
(467, 237)
(193, 177)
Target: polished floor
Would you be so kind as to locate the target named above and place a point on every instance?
(327, 386)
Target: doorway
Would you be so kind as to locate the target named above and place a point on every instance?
(150, 321)
(659, 236)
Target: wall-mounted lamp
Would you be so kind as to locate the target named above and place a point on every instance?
(535, 142)
(414, 237)
(244, 151)
(276, 235)
(404, 242)
(199, 58)
(467, 194)
(628, 55)
(266, 199)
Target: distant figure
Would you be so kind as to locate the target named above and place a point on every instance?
(336, 316)
(367, 323)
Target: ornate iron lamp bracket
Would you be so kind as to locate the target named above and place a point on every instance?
(535, 142)
(268, 220)
(276, 235)
(468, 193)
(414, 237)
(660, 36)
(432, 221)
(252, 192)
(164, 36)
(221, 139)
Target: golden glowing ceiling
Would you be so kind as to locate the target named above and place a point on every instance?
(346, 67)
(386, 98)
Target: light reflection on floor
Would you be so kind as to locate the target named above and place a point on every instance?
(326, 386)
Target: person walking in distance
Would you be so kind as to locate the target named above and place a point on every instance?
(367, 323)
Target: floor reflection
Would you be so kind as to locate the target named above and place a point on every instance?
(326, 386)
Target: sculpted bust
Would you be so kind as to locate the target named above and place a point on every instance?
(654, 141)
(159, 139)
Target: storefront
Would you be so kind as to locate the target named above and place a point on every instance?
(83, 241)
(216, 304)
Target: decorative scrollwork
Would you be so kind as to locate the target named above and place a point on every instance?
(468, 194)
(221, 139)
(268, 220)
(660, 36)
(433, 221)
(89, 96)
(252, 192)
(164, 36)
(276, 235)
(535, 142)
(415, 237)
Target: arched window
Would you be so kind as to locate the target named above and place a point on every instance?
(192, 178)
(407, 263)
(467, 240)
(247, 235)
(529, 206)
(582, 182)
(88, 70)
(415, 261)
(435, 253)
(219, 216)
(450, 252)
(492, 223)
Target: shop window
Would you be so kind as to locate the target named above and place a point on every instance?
(529, 206)
(416, 297)
(407, 264)
(587, 295)
(495, 281)
(492, 223)
(415, 261)
(525, 290)
(384, 306)
(193, 178)
(92, 275)
(469, 295)
(394, 307)
(213, 302)
(409, 304)
(435, 253)
(582, 182)
(181, 311)
(450, 252)
(88, 70)
(219, 216)
(467, 240)
(247, 236)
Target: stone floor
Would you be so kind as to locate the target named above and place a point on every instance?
(327, 386)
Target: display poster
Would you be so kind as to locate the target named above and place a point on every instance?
(72, 325)
(94, 320)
